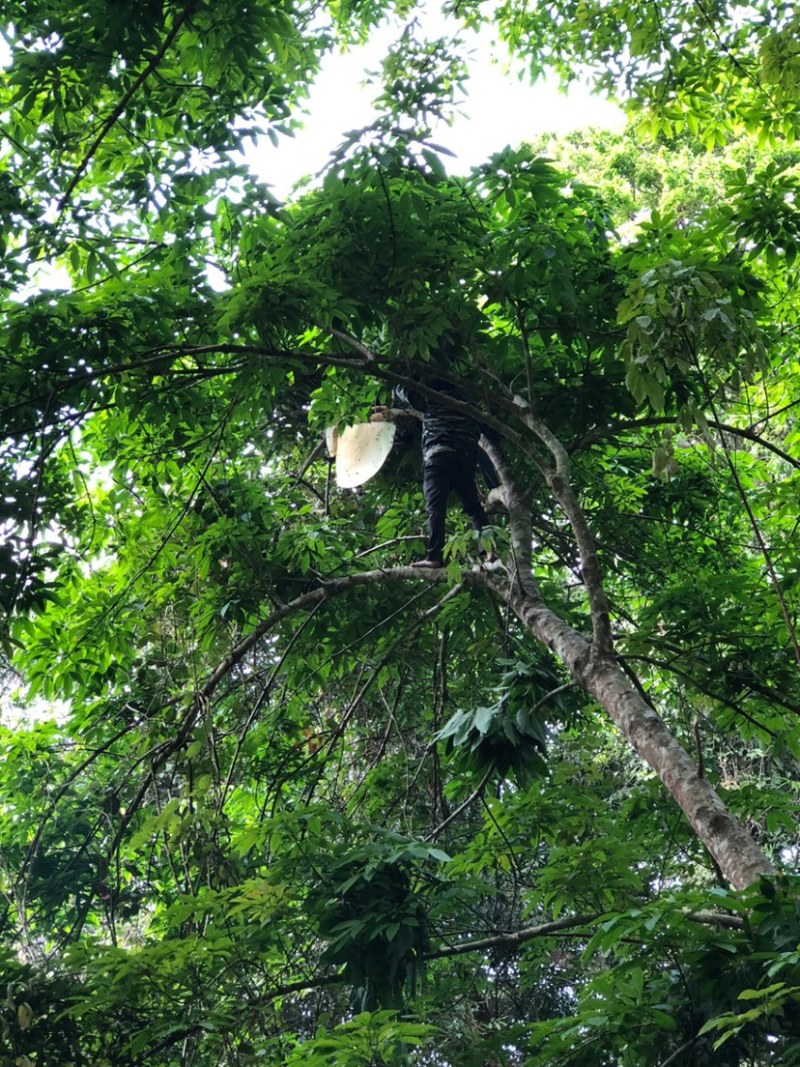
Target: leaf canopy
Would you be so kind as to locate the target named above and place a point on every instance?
(269, 795)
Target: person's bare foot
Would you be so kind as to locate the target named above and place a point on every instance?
(428, 564)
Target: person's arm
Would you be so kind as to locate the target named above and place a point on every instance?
(405, 401)
(403, 397)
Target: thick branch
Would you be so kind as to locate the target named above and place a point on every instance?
(519, 521)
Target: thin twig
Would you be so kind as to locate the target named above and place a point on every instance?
(679, 1052)
(461, 807)
(126, 99)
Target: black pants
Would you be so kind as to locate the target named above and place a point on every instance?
(443, 473)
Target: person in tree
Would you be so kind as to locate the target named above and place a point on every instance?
(450, 456)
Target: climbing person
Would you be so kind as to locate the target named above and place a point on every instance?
(450, 455)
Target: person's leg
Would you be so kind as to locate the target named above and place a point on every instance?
(436, 478)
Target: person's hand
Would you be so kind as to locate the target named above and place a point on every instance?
(381, 414)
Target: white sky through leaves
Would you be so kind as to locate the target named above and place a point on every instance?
(501, 107)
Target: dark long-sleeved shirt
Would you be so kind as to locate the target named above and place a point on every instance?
(443, 428)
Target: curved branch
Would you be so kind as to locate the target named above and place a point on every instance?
(326, 590)
(777, 585)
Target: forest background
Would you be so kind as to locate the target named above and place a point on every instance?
(268, 794)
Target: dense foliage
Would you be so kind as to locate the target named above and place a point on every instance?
(270, 796)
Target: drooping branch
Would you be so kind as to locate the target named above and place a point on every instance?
(766, 552)
(199, 701)
(621, 427)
